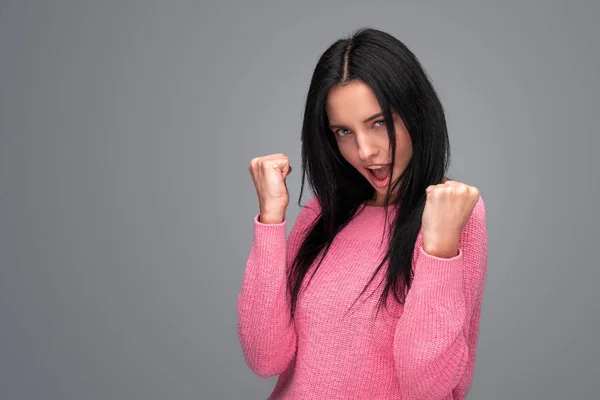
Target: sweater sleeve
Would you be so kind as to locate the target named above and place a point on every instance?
(436, 337)
(267, 339)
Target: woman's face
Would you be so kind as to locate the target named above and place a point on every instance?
(356, 120)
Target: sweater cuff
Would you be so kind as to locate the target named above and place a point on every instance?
(269, 240)
(257, 221)
(440, 277)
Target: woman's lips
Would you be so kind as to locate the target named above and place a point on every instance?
(380, 183)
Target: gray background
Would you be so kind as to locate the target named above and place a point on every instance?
(126, 207)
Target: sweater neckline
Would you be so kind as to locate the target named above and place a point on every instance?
(377, 210)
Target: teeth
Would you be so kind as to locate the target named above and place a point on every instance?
(376, 167)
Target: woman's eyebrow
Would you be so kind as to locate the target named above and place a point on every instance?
(372, 117)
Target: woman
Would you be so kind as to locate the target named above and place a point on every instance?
(375, 150)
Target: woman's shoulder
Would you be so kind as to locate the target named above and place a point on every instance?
(311, 209)
(478, 215)
(309, 213)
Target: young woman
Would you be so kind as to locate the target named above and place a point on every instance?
(384, 219)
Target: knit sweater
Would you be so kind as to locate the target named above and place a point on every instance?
(424, 349)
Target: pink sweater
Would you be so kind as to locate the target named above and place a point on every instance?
(427, 353)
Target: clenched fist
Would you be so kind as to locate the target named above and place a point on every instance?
(448, 207)
(269, 174)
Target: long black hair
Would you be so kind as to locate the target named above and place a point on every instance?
(399, 82)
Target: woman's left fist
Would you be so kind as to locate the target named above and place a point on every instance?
(448, 207)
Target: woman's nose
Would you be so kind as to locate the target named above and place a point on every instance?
(367, 149)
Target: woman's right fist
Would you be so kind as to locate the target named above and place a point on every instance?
(269, 174)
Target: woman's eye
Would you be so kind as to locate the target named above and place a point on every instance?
(340, 132)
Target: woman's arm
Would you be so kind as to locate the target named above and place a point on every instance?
(267, 339)
(436, 337)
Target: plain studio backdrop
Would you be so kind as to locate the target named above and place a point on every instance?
(126, 205)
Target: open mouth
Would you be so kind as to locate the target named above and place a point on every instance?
(380, 176)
